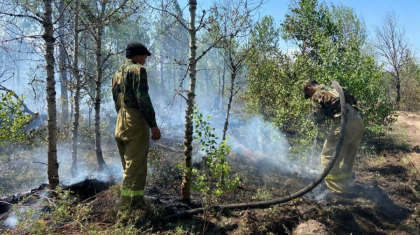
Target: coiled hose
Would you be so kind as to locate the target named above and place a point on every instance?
(266, 204)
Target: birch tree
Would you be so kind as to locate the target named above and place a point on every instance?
(42, 14)
(76, 75)
(49, 39)
(188, 137)
(62, 64)
(105, 14)
(194, 27)
(98, 84)
(236, 24)
(392, 45)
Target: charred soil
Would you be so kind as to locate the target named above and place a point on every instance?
(384, 197)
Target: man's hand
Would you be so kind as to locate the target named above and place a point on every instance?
(155, 133)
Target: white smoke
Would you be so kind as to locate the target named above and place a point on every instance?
(261, 138)
(11, 221)
(255, 139)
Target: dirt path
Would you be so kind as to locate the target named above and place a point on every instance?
(410, 124)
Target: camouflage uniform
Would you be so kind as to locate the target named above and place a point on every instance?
(326, 104)
(132, 132)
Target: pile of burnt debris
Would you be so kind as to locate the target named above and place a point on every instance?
(84, 190)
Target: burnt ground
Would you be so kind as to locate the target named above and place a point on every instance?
(384, 198)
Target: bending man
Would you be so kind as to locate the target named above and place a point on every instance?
(136, 116)
(326, 104)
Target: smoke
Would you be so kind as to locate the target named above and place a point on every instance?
(255, 139)
(26, 168)
(87, 165)
(32, 209)
(319, 193)
(259, 137)
(254, 135)
(11, 221)
(258, 141)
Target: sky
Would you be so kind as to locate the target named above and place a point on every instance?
(370, 11)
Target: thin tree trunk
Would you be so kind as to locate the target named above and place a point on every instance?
(63, 70)
(98, 148)
(98, 83)
(90, 117)
(229, 106)
(225, 128)
(223, 80)
(398, 86)
(75, 129)
(180, 75)
(162, 84)
(48, 36)
(207, 79)
(220, 85)
(71, 106)
(186, 182)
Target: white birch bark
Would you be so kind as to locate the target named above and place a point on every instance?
(186, 182)
(48, 36)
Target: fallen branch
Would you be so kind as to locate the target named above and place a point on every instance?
(6, 214)
(41, 163)
(170, 148)
(6, 202)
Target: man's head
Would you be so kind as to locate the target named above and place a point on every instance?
(137, 52)
(309, 87)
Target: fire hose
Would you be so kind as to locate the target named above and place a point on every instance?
(308, 188)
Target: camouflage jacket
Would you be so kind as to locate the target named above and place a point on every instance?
(130, 89)
(326, 103)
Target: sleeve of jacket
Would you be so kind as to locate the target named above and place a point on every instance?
(322, 106)
(318, 110)
(115, 91)
(141, 90)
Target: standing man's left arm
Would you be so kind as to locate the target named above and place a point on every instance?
(141, 90)
(116, 89)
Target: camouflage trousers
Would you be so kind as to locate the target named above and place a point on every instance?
(340, 175)
(133, 139)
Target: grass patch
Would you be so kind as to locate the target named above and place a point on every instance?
(393, 138)
(376, 160)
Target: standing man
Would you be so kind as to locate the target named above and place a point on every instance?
(326, 104)
(135, 117)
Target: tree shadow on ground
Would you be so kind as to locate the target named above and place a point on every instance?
(385, 207)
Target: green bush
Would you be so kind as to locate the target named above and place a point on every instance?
(331, 46)
(12, 119)
(213, 180)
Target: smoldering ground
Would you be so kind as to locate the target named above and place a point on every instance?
(263, 147)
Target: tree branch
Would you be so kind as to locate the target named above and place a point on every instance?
(177, 17)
